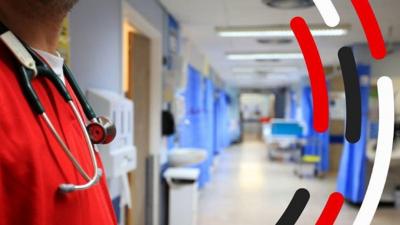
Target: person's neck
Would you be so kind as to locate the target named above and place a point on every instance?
(40, 34)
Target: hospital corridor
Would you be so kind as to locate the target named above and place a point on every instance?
(249, 191)
(199, 112)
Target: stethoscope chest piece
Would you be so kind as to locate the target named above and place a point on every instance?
(101, 131)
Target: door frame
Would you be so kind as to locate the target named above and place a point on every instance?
(132, 16)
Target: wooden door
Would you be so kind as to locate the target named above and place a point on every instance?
(139, 92)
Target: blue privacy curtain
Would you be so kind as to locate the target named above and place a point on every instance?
(206, 123)
(194, 129)
(293, 105)
(209, 128)
(190, 132)
(221, 115)
(217, 121)
(351, 177)
(317, 143)
(233, 115)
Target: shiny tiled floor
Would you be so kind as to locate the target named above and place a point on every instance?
(247, 189)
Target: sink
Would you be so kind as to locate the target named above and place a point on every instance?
(181, 157)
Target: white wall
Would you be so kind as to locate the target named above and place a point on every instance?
(389, 66)
(96, 58)
(96, 46)
(192, 54)
(153, 11)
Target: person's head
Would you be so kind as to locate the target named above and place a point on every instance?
(38, 9)
(36, 22)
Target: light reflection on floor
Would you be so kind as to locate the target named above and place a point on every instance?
(247, 189)
(251, 175)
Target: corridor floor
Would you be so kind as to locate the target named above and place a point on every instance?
(247, 189)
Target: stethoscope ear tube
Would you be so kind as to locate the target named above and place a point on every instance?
(44, 70)
(89, 112)
(57, 82)
(25, 77)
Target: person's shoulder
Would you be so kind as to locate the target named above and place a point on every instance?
(7, 63)
(8, 70)
(7, 59)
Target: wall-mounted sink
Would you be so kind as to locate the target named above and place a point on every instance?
(181, 157)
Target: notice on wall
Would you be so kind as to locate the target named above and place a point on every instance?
(337, 105)
(64, 42)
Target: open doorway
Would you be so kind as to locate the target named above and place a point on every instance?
(142, 82)
(255, 107)
(136, 86)
(127, 74)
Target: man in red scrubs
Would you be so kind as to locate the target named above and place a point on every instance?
(32, 162)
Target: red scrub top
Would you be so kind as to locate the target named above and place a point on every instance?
(33, 165)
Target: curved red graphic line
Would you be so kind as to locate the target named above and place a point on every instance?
(315, 72)
(331, 210)
(371, 28)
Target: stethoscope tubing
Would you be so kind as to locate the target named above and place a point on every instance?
(64, 147)
(26, 74)
(97, 172)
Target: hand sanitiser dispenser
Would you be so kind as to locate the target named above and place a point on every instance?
(119, 157)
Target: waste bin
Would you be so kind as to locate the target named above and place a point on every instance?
(183, 195)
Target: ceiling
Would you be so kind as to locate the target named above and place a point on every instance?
(199, 18)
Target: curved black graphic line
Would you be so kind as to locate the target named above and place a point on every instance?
(353, 94)
(295, 207)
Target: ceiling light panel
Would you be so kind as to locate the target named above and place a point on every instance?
(245, 70)
(264, 56)
(279, 31)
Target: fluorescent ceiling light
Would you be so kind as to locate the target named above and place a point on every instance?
(278, 31)
(266, 77)
(282, 69)
(264, 56)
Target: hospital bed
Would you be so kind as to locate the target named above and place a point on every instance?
(393, 178)
(284, 139)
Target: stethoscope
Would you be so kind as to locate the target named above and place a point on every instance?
(100, 130)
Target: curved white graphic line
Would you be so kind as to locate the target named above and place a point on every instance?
(328, 12)
(383, 153)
